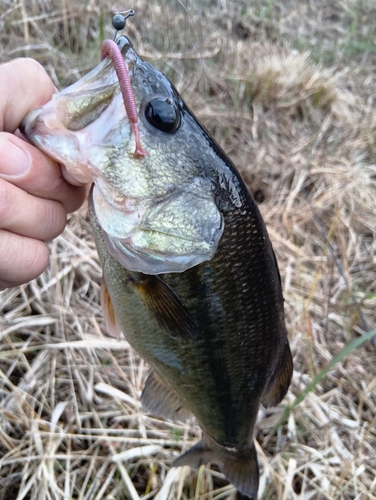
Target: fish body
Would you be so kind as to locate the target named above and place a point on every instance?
(189, 270)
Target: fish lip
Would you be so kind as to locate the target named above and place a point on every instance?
(25, 123)
(129, 54)
(123, 42)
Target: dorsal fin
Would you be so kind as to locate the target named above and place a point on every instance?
(113, 328)
(158, 399)
(282, 378)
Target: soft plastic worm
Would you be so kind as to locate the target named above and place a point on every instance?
(111, 49)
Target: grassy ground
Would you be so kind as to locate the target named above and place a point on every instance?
(288, 89)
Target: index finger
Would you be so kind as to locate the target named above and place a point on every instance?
(18, 95)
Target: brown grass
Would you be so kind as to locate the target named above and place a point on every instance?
(288, 89)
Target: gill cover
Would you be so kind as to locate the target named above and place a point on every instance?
(172, 235)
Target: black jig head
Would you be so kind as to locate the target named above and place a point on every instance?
(119, 20)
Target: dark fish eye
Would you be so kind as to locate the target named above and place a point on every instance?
(163, 114)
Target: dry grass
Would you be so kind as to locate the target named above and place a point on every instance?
(288, 89)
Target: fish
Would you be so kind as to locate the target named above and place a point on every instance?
(189, 273)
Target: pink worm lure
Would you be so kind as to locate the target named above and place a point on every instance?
(111, 49)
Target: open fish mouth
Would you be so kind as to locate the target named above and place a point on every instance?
(82, 116)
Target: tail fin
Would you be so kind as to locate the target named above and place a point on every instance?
(239, 467)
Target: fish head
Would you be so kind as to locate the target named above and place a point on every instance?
(158, 212)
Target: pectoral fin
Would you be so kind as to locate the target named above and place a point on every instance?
(239, 466)
(158, 399)
(166, 307)
(112, 324)
(277, 391)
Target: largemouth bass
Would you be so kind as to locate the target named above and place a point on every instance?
(189, 271)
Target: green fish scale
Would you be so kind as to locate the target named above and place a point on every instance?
(239, 336)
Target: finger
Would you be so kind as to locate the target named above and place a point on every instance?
(21, 259)
(25, 85)
(69, 177)
(26, 167)
(66, 175)
(29, 215)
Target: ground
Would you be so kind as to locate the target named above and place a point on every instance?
(288, 90)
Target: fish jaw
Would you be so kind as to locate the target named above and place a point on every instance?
(88, 113)
(45, 131)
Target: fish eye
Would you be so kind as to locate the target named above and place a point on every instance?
(163, 114)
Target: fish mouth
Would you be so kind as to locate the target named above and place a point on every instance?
(82, 116)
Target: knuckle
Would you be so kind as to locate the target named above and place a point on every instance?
(31, 67)
(7, 252)
(76, 198)
(37, 260)
(21, 258)
(32, 63)
(22, 62)
(54, 219)
(51, 185)
(6, 201)
(57, 185)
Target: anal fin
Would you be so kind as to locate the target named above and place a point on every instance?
(113, 328)
(158, 399)
(281, 382)
(239, 466)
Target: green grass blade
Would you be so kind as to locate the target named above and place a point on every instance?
(339, 357)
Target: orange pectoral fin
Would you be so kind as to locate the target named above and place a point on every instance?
(113, 328)
(166, 307)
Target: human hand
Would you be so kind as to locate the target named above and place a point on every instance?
(35, 193)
